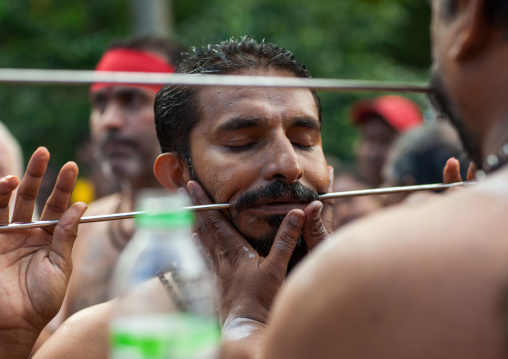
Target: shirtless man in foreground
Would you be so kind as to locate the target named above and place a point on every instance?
(425, 281)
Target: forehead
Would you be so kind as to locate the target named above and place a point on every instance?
(221, 103)
(118, 91)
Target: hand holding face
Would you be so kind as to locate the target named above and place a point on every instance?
(245, 282)
(35, 264)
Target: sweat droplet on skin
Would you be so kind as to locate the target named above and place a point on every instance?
(251, 255)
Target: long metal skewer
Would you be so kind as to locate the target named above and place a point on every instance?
(334, 195)
(9, 75)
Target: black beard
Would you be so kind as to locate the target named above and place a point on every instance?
(442, 102)
(276, 189)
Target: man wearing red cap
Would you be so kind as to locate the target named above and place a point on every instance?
(380, 121)
(125, 143)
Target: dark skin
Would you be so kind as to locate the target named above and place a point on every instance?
(121, 124)
(124, 139)
(274, 153)
(35, 264)
(278, 139)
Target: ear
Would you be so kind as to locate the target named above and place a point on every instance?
(171, 171)
(473, 32)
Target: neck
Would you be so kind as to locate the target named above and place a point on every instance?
(131, 189)
(483, 101)
(495, 149)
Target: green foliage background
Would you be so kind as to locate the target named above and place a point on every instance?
(351, 39)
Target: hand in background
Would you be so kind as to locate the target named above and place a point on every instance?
(451, 172)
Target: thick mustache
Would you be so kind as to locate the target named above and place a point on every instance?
(276, 190)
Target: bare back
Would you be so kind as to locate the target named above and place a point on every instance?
(423, 281)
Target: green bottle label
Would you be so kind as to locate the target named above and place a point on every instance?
(177, 335)
(178, 218)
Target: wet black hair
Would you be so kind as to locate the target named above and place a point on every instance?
(177, 108)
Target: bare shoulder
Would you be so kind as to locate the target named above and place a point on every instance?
(415, 281)
(82, 336)
(85, 334)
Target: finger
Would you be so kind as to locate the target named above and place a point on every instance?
(66, 230)
(202, 250)
(285, 241)
(471, 171)
(7, 185)
(29, 186)
(214, 229)
(328, 205)
(314, 230)
(451, 172)
(58, 201)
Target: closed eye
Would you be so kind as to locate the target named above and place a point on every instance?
(241, 148)
(302, 147)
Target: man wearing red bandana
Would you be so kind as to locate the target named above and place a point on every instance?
(125, 143)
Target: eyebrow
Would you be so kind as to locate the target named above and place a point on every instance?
(240, 123)
(309, 123)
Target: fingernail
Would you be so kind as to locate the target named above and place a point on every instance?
(190, 187)
(296, 220)
(317, 212)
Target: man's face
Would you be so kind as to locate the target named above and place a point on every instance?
(259, 150)
(123, 132)
(376, 139)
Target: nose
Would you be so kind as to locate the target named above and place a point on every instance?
(112, 117)
(283, 162)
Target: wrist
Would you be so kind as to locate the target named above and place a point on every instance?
(245, 335)
(247, 311)
(17, 343)
(237, 328)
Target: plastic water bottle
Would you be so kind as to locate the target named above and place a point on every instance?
(164, 306)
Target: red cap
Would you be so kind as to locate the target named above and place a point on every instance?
(399, 112)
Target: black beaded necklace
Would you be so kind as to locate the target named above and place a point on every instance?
(118, 236)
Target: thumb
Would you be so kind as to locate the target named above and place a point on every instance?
(285, 241)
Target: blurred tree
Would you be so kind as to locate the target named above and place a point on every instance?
(53, 34)
(360, 39)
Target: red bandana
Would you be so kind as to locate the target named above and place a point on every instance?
(127, 60)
